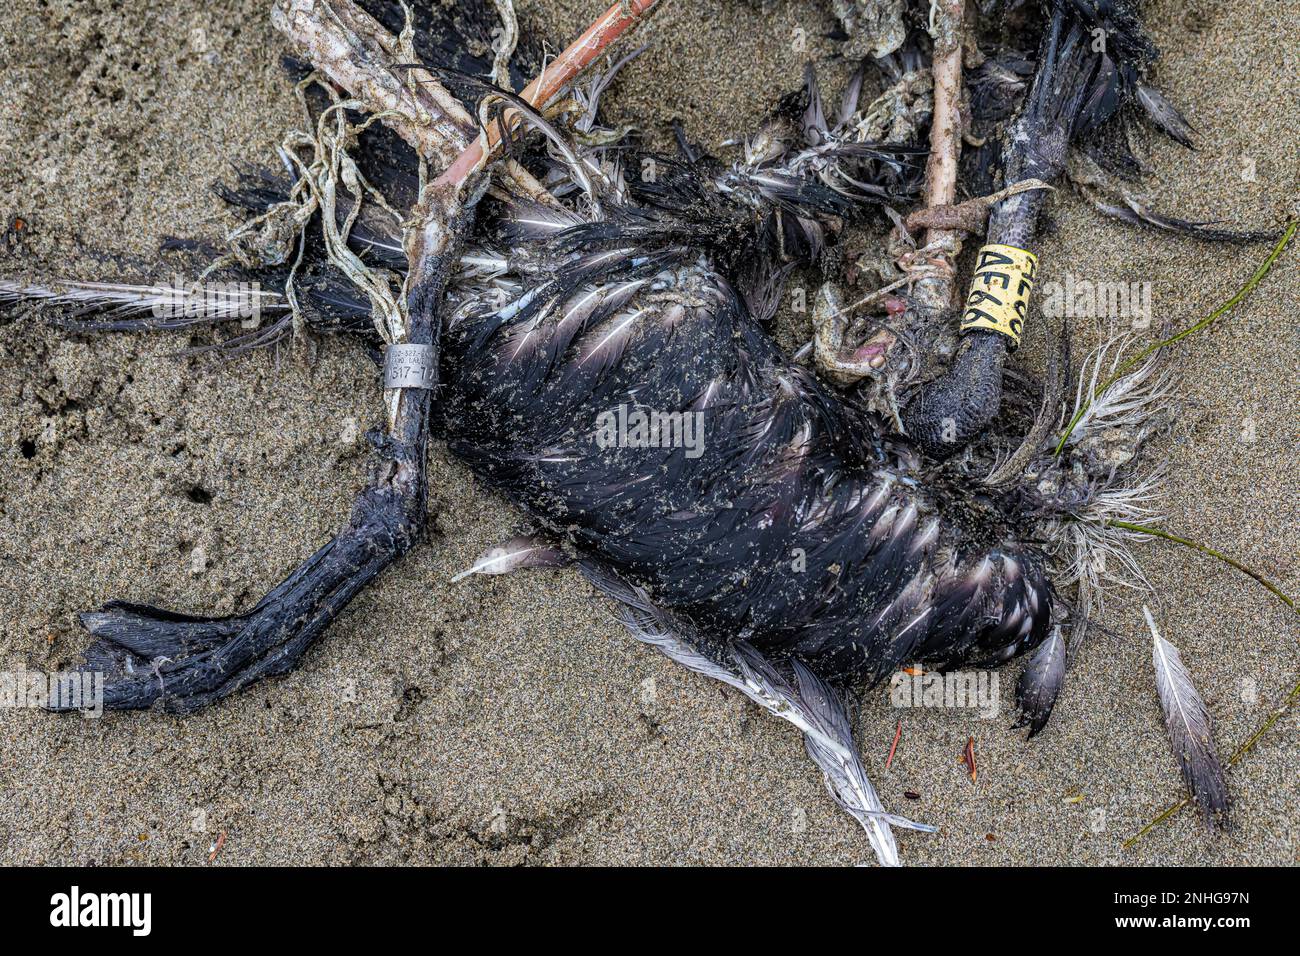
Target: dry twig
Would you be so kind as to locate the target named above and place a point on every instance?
(945, 145)
(616, 21)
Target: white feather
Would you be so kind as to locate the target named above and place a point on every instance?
(209, 301)
(812, 707)
(1188, 723)
(514, 555)
(1129, 401)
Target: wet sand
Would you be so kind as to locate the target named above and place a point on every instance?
(510, 720)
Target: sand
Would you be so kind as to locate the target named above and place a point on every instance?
(510, 720)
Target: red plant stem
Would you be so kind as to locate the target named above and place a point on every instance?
(894, 746)
(216, 847)
(559, 73)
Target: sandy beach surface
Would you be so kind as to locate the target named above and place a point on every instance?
(510, 720)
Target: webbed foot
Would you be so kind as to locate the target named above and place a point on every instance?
(180, 663)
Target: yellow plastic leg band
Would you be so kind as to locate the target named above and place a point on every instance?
(999, 291)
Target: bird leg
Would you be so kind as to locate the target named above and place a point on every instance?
(182, 663)
(955, 408)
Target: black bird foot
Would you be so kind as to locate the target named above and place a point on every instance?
(153, 657)
(953, 410)
(157, 658)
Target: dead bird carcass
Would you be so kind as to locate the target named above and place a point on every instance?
(789, 542)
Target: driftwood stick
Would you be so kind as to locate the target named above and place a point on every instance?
(350, 47)
(945, 145)
(356, 53)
